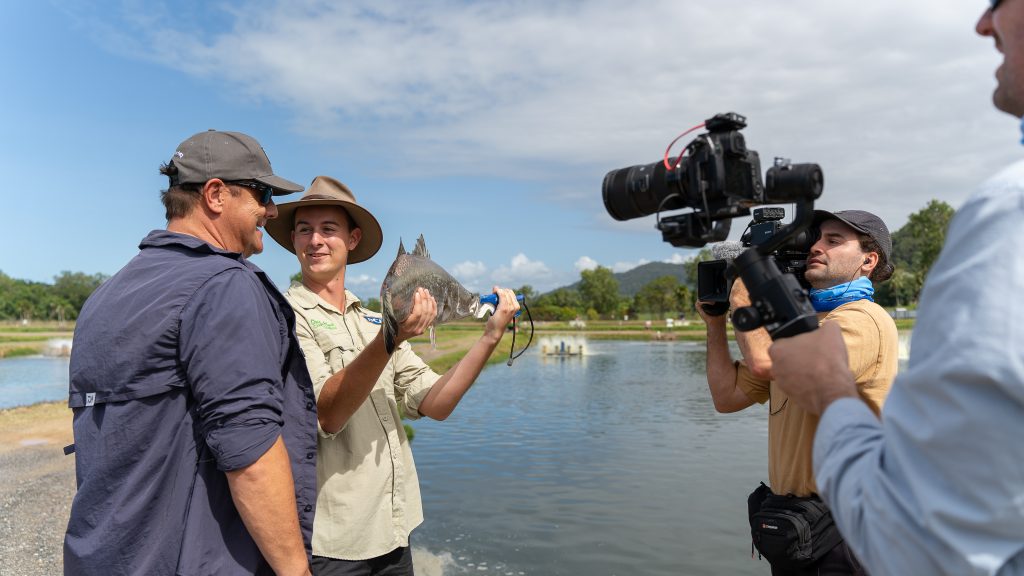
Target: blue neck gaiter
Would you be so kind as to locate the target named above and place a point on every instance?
(829, 299)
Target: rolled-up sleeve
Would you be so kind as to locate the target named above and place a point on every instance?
(230, 353)
(413, 380)
(755, 388)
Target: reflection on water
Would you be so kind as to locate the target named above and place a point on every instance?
(616, 464)
(33, 379)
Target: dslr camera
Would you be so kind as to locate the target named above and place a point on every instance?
(718, 178)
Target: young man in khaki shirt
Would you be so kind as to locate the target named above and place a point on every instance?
(853, 250)
(368, 498)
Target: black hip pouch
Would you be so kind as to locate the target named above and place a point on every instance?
(790, 531)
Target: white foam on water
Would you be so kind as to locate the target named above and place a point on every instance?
(58, 347)
(563, 346)
(429, 564)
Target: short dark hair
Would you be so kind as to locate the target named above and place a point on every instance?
(884, 269)
(179, 200)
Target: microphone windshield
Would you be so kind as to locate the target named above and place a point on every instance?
(727, 250)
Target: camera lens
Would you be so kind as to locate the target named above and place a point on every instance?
(794, 182)
(638, 191)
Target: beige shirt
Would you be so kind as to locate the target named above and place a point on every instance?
(368, 493)
(872, 344)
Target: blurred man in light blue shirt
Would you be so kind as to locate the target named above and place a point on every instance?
(937, 487)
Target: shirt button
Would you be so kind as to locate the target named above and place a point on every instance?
(307, 508)
(309, 455)
(384, 417)
(309, 405)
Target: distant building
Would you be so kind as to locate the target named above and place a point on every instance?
(903, 314)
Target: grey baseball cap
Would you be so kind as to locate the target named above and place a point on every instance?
(863, 222)
(228, 156)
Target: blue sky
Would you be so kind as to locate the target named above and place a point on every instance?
(487, 127)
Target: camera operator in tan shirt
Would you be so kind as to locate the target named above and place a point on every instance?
(853, 250)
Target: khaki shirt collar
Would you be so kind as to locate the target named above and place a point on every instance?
(307, 299)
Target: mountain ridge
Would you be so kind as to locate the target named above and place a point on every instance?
(632, 280)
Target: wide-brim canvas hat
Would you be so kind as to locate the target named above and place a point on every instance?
(326, 191)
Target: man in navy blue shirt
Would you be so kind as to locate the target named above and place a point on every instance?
(194, 415)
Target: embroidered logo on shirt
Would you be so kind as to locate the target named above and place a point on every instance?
(372, 319)
(324, 325)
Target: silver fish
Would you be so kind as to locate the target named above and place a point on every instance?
(412, 271)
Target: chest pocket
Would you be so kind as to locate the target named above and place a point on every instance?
(337, 347)
(340, 350)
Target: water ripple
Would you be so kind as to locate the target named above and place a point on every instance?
(615, 463)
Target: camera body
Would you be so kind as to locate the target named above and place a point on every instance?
(714, 284)
(791, 255)
(719, 179)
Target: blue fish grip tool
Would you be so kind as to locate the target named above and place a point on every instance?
(489, 303)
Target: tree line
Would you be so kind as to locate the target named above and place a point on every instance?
(916, 246)
(60, 301)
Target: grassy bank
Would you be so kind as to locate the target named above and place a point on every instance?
(32, 339)
(453, 340)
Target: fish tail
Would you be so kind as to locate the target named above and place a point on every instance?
(433, 341)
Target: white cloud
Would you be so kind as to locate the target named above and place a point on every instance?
(469, 269)
(522, 270)
(585, 263)
(472, 275)
(559, 90)
(363, 285)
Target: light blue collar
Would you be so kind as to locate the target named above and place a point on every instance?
(829, 299)
(1022, 130)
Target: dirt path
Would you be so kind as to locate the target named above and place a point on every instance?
(37, 483)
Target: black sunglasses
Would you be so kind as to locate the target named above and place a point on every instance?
(993, 4)
(264, 193)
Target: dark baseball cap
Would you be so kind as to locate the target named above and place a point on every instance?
(863, 222)
(229, 156)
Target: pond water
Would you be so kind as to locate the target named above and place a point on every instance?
(615, 463)
(32, 379)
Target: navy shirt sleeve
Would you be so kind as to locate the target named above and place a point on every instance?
(230, 350)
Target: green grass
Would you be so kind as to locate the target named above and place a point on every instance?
(905, 324)
(68, 327)
(443, 363)
(19, 338)
(20, 351)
